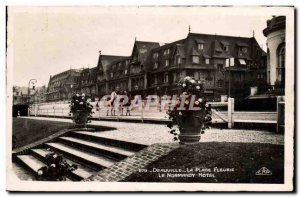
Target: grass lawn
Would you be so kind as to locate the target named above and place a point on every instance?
(241, 160)
(27, 131)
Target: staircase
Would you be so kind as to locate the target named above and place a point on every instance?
(88, 150)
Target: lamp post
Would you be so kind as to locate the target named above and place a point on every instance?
(32, 81)
(229, 63)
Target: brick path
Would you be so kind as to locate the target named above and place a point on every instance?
(132, 164)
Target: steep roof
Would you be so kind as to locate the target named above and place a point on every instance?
(214, 45)
(144, 48)
(105, 60)
(119, 66)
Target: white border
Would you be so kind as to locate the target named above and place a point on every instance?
(97, 186)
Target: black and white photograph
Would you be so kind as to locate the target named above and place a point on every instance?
(150, 98)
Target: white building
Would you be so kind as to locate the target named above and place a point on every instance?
(275, 33)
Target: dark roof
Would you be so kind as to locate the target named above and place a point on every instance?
(118, 67)
(106, 60)
(180, 50)
(215, 46)
(275, 24)
(144, 49)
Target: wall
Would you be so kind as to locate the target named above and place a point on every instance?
(274, 39)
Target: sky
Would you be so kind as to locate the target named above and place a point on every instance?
(49, 40)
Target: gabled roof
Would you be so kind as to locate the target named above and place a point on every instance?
(105, 60)
(144, 49)
(180, 49)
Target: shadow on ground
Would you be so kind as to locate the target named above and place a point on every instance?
(244, 158)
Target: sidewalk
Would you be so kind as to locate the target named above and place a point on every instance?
(146, 133)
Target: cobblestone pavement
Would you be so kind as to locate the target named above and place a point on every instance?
(146, 133)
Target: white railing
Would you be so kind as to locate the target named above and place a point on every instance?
(229, 116)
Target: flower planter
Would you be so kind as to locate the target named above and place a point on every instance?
(80, 117)
(191, 112)
(190, 127)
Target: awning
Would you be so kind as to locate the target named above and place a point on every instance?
(242, 61)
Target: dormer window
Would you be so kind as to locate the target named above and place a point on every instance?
(206, 60)
(200, 46)
(244, 49)
(155, 55)
(167, 52)
(225, 47)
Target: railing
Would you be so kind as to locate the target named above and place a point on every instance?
(156, 113)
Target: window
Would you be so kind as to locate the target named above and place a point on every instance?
(196, 59)
(178, 60)
(242, 61)
(125, 71)
(166, 78)
(155, 79)
(225, 47)
(155, 55)
(281, 64)
(111, 75)
(241, 77)
(243, 50)
(155, 65)
(200, 46)
(220, 83)
(167, 63)
(206, 60)
(220, 67)
(167, 52)
(209, 77)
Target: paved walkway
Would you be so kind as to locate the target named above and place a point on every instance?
(148, 134)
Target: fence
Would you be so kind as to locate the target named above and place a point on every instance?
(155, 113)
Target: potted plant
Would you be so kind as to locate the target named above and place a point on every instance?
(56, 168)
(190, 113)
(80, 109)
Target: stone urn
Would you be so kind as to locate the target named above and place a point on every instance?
(190, 126)
(80, 117)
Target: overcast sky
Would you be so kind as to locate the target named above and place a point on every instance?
(51, 40)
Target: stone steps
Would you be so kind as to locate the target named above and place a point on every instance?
(90, 151)
(96, 137)
(115, 153)
(80, 173)
(94, 161)
(32, 163)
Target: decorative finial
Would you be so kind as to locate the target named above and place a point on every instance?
(100, 52)
(189, 28)
(253, 33)
(134, 39)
